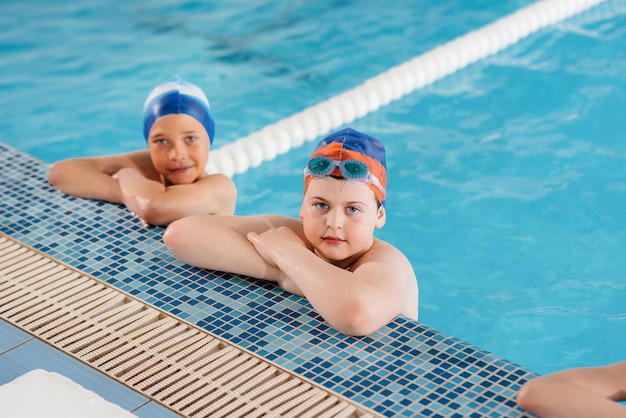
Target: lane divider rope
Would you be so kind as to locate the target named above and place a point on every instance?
(278, 138)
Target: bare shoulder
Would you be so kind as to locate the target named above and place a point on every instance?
(216, 181)
(394, 261)
(386, 254)
(387, 266)
(137, 159)
(214, 193)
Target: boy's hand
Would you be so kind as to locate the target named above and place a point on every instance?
(273, 243)
(130, 182)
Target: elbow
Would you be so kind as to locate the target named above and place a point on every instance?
(359, 320)
(63, 177)
(55, 174)
(176, 238)
(155, 216)
(153, 210)
(170, 236)
(529, 395)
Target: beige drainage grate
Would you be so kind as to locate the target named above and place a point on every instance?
(172, 362)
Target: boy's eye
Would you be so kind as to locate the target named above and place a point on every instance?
(321, 205)
(353, 209)
(159, 141)
(191, 138)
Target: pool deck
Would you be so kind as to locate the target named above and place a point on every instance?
(404, 369)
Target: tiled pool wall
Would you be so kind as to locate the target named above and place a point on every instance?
(405, 369)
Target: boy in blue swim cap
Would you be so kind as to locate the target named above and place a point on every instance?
(329, 255)
(168, 180)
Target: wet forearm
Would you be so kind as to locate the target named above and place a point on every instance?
(82, 180)
(204, 242)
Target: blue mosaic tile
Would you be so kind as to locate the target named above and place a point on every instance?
(405, 369)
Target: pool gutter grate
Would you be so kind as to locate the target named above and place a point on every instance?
(172, 362)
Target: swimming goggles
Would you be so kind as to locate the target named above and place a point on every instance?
(352, 170)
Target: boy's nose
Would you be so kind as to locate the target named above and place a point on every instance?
(177, 152)
(334, 219)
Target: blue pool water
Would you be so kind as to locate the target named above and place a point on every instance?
(507, 179)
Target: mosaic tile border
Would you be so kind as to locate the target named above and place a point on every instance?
(405, 369)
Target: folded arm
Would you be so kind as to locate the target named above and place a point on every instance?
(90, 178)
(156, 204)
(219, 243)
(357, 302)
(132, 180)
(273, 247)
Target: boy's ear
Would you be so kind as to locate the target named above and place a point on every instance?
(381, 217)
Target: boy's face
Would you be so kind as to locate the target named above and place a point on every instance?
(179, 148)
(339, 218)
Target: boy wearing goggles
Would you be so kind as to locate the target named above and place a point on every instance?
(356, 282)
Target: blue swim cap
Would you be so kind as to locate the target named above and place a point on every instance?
(176, 97)
(349, 144)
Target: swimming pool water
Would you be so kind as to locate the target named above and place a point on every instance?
(507, 179)
(77, 72)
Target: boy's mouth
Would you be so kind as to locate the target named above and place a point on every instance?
(333, 240)
(179, 170)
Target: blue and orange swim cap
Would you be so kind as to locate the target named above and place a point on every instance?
(176, 97)
(351, 155)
